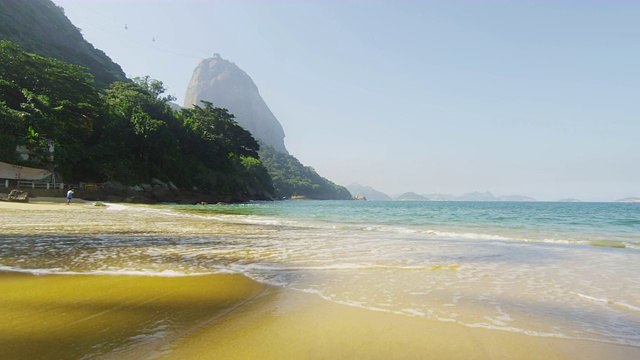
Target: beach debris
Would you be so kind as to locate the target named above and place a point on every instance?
(18, 196)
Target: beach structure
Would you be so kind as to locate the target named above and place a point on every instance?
(21, 176)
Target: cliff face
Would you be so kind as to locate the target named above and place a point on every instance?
(225, 85)
(39, 26)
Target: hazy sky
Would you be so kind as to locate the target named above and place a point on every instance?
(536, 98)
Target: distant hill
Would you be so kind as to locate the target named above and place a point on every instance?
(411, 196)
(514, 198)
(368, 192)
(569, 200)
(440, 197)
(41, 27)
(477, 196)
(357, 189)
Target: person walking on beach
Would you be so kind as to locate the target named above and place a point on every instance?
(69, 196)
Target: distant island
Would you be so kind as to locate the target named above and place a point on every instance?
(367, 192)
(630, 200)
(478, 196)
(411, 196)
(372, 194)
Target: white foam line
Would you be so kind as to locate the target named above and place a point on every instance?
(165, 273)
(417, 313)
(608, 302)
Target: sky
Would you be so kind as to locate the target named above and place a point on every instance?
(534, 98)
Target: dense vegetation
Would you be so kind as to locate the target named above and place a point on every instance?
(39, 26)
(127, 133)
(291, 178)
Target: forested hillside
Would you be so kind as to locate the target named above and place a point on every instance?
(39, 26)
(291, 178)
(128, 134)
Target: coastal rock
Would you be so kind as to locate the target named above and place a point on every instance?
(172, 187)
(297, 197)
(113, 187)
(163, 193)
(225, 85)
(18, 196)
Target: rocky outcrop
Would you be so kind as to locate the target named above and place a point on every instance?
(225, 85)
(162, 192)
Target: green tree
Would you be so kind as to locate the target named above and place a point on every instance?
(154, 87)
(139, 125)
(218, 127)
(57, 100)
(291, 178)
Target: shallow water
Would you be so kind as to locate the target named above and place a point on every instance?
(544, 269)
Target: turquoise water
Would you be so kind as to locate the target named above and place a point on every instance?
(607, 224)
(566, 270)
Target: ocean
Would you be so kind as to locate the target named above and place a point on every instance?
(562, 270)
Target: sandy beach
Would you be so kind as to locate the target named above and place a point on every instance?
(45, 203)
(229, 316)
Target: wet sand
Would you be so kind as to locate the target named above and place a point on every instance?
(232, 317)
(82, 316)
(293, 325)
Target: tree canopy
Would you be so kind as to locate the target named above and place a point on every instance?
(127, 133)
(291, 178)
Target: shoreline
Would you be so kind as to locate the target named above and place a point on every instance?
(233, 317)
(228, 316)
(44, 203)
(296, 325)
